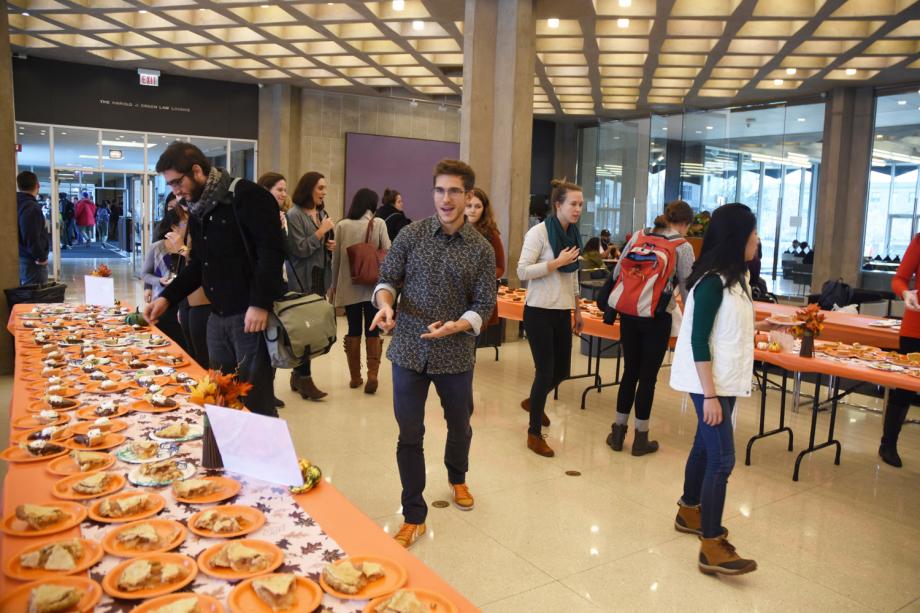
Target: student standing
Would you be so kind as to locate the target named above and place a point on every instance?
(86, 218)
(34, 240)
(393, 213)
(446, 273)
(549, 262)
(159, 270)
(480, 215)
(713, 362)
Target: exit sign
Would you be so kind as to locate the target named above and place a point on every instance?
(150, 78)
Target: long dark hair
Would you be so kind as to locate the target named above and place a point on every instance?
(486, 224)
(724, 245)
(303, 193)
(170, 218)
(389, 197)
(365, 200)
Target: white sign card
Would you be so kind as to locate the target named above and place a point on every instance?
(100, 291)
(255, 445)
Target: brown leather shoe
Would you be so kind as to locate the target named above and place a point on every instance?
(353, 354)
(718, 556)
(309, 391)
(538, 445)
(374, 351)
(525, 404)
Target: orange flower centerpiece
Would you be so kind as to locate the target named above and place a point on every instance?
(223, 390)
(811, 323)
(101, 271)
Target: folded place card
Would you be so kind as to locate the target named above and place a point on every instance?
(100, 291)
(255, 445)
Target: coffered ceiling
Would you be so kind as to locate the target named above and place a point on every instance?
(594, 57)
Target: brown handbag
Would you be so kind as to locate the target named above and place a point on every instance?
(364, 259)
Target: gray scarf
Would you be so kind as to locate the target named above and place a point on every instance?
(215, 190)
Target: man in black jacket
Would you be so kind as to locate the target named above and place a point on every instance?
(33, 235)
(236, 256)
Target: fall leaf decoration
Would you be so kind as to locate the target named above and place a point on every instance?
(222, 390)
(101, 271)
(811, 320)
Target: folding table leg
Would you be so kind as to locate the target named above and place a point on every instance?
(835, 385)
(763, 412)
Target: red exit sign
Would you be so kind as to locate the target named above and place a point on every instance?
(150, 80)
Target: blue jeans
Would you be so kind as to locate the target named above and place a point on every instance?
(31, 273)
(711, 461)
(410, 391)
(232, 350)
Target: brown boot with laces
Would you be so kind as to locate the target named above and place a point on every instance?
(689, 520)
(537, 444)
(718, 557)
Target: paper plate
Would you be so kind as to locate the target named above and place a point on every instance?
(66, 466)
(64, 488)
(253, 519)
(395, 576)
(90, 412)
(92, 553)
(145, 407)
(114, 425)
(17, 454)
(136, 478)
(243, 598)
(429, 599)
(69, 405)
(276, 559)
(155, 505)
(23, 437)
(166, 451)
(207, 604)
(29, 421)
(18, 599)
(172, 534)
(194, 432)
(228, 489)
(108, 441)
(76, 514)
(110, 582)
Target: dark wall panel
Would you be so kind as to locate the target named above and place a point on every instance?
(542, 156)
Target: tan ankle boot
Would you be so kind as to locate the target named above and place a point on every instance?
(353, 353)
(538, 445)
(374, 347)
(690, 520)
(718, 556)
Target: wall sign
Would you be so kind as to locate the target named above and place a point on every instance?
(150, 78)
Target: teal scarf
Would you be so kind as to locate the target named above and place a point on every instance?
(560, 239)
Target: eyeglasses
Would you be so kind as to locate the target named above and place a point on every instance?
(177, 181)
(453, 192)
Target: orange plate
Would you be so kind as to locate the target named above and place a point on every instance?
(15, 527)
(67, 392)
(253, 518)
(394, 578)
(93, 388)
(145, 407)
(22, 437)
(158, 502)
(115, 425)
(204, 560)
(164, 528)
(110, 582)
(28, 421)
(243, 598)
(166, 391)
(41, 405)
(88, 412)
(228, 489)
(431, 600)
(66, 466)
(18, 599)
(18, 454)
(207, 604)
(62, 488)
(109, 441)
(92, 553)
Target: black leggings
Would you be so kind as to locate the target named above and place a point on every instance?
(169, 325)
(549, 332)
(194, 320)
(644, 341)
(354, 313)
(899, 401)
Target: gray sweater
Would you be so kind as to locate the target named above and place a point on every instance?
(306, 251)
(350, 232)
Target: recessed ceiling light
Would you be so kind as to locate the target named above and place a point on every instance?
(625, 4)
(665, 129)
(552, 22)
(143, 11)
(399, 5)
(709, 127)
(777, 81)
(790, 71)
(850, 71)
(622, 22)
(418, 25)
(801, 119)
(699, 131)
(25, 14)
(63, 133)
(902, 102)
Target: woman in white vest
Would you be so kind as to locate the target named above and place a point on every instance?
(714, 361)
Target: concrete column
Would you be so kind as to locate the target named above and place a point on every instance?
(497, 121)
(9, 226)
(840, 216)
(279, 130)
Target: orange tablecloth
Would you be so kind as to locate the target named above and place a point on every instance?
(355, 532)
(840, 327)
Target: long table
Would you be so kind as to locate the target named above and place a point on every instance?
(354, 532)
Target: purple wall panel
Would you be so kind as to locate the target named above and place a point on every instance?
(403, 164)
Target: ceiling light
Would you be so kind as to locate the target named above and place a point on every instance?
(709, 127)
(64, 133)
(265, 6)
(25, 14)
(665, 129)
(801, 119)
(418, 25)
(552, 22)
(790, 71)
(625, 4)
(442, 107)
(623, 23)
(399, 5)
(143, 11)
(413, 103)
(777, 81)
(850, 71)
(878, 136)
(902, 102)
(699, 131)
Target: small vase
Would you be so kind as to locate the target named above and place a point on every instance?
(210, 453)
(808, 345)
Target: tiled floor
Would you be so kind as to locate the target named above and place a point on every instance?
(842, 538)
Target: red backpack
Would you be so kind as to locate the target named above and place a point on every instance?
(646, 281)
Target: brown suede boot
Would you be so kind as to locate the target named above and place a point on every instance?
(718, 556)
(374, 351)
(538, 445)
(295, 381)
(309, 391)
(689, 520)
(353, 354)
(525, 404)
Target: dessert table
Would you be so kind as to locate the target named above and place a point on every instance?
(312, 529)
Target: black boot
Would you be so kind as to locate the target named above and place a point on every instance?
(279, 404)
(642, 446)
(891, 430)
(617, 436)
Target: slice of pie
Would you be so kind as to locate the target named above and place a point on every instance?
(403, 602)
(170, 573)
(344, 577)
(177, 430)
(159, 400)
(52, 598)
(92, 438)
(41, 448)
(60, 557)
(186, 605)
(94, 484)
(144, 450)
(277, 591)
(46, 417)
(195, 488)
(142, 536)
(40, 516)
(137, 576)
(88, 460)
(122, 507)
(240, 558)
(218, 522)
(164, 470)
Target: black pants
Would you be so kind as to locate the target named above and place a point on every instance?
(232, 350)
(898, 400)
(357, 312)
(644, 341)
(169, 325)
(194, 321)
(549, 332)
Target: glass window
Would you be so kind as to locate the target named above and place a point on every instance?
(215, 149)
(657, 168)
(894, 182)
(123, 150)
(243, 160)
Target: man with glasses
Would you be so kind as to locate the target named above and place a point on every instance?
(236, 255)
(445, 272)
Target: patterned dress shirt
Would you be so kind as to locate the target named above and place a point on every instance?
(439, 278)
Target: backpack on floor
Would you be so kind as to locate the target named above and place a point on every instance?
(835, 293)
(646, 280)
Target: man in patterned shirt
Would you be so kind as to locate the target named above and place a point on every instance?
(445, 272)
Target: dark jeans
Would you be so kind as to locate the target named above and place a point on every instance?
(410, 391)
(354, 313)
(711, 461)
(232, 350)
(549, 332)
(31, 273)
(194, 322)
(644, 341)
(899, 401)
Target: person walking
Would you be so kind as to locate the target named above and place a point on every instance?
(392, 213)
(68, 223)
(446, 273)
(549, 263)
(236, 256)
(713, 362)
(644, 339)
(86, 218)
(359, 226)
(309, 245)
(102, 222)
(34, 240)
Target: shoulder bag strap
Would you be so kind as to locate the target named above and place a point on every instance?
(370, 228)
